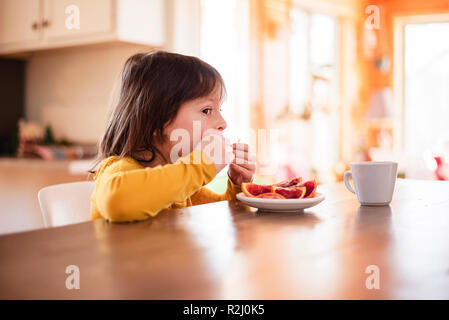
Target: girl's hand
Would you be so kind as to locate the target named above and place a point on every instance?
(243, 167)
(216, 147)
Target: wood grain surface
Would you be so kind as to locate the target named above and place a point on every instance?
(226, 250)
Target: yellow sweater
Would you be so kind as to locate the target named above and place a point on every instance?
(127, 191)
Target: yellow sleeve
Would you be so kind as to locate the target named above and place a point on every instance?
(141, 193)
(205, 195)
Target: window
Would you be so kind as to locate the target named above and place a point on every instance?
(314, 94)
(224, 44)
(426, 87)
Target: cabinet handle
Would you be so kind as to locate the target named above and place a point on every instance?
(45, 23)
(35, 26)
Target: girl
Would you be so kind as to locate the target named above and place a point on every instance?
(142, 169)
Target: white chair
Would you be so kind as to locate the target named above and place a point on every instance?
(66, 203)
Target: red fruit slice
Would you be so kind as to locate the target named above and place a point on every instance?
(289, 183)
(311, 188)
(252, 189)
(270, 195)
(292, 192)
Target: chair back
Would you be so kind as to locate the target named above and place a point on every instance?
(66, 203)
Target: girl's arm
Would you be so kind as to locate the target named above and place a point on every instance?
(141, 193)
(205, 195)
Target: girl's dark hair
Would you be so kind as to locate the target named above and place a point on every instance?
(153, 87)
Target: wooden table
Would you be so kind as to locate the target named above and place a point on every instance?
(227, 250)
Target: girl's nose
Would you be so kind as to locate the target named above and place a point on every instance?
(221, 123)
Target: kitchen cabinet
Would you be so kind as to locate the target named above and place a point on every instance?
(32, 25)
(61, 18)
(19, 22)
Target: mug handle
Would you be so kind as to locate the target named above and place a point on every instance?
(346, 179)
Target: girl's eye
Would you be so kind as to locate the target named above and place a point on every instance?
(207, 110)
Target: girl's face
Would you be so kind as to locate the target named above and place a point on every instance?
(194, 117)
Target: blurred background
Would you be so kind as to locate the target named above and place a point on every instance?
(312, 85)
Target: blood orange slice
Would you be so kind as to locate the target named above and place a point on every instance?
(289, 183)
(311, 188)
(252, 189)
(270, 195)
(292, 192)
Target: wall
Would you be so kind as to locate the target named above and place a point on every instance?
(71, 89)
(373, 79)
(389, 9)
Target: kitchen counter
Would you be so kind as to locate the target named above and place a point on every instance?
(72, 166)
(21, 180)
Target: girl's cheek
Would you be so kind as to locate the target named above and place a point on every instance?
(208, 127)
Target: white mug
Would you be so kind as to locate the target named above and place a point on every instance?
(373, 181)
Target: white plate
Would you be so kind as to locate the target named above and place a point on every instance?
(281, 205)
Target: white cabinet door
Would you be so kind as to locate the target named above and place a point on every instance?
(61, 17)
(19, 21)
